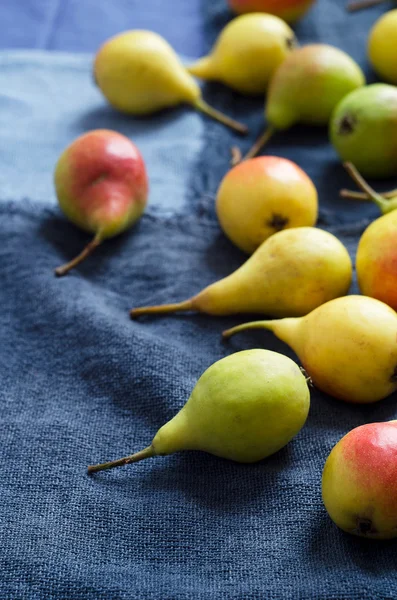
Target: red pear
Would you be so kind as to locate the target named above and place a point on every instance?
(102, 187)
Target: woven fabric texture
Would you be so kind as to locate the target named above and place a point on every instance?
(81, 383)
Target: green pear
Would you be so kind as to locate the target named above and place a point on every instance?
(306, 88)
(244, 407)
(363, 130)
(139, 73)
(290, 274)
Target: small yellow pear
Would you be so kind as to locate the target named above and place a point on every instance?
(348, 347)
(247, 52)
(244, 407)
(290, 274)
(139, 73)
(382, 47)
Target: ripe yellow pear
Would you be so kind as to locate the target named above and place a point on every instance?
(262, 196)
(359, 483)
(348, 347)
(244, 407)
(139, 73)
(382, 47)
(291, 273)
(247, 52)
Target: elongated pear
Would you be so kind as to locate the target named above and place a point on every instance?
(244, 407)
(291, 273)
(306, 88)
(139, 73)
(247, 52)
(347, 346)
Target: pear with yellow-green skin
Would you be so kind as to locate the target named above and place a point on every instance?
(244, 407)
(247, 52)
(139, 73)
(359, 483)
(348, 347)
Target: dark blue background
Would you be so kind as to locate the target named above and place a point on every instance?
(80, 383)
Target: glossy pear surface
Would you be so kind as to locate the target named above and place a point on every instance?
(262, 196)
(139, 73)
(348, 347)
(359, 484)
(244, 407)
(376, 261)
(291, 273)
(247, 52)
(101, 182)
(309, 84)
(363, 130)
(289, 10)
(382, 47)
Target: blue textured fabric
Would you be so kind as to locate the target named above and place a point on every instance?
(81, 383)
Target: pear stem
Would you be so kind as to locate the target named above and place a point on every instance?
(361, 183)
(162, 309)
(360, 4)
(89, 249)
(121, 462)
(362, 196)
(205, 108)
(245, 326)
(257, 147)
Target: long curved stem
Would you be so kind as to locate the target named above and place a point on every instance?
(121, 462)
(361, 183)
(360, 4)
(245, 326)
(205, 108)
(89, 249)
(162, 309)
(363, 196)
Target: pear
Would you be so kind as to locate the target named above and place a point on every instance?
(307, 87)
(247, 52)
(363, 130)
(376, 261)
(244, 407)
(139, 73)
(382, 47)
(347, 347)
(291, 273)
(359, 483)
(277, 195)
(101, 186)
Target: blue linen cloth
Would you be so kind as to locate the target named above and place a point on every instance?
(81, 383)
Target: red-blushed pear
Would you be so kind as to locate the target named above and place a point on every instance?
(376, 260)
(289, 10)
(359, 483)
(101, 186)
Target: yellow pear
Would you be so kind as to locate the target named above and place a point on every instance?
(290, 274)
(244, 407)
(247, 52)
(382, 47)
(348, 347)
(139, 73)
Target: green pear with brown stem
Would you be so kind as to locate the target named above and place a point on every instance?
(139, 73)
(347, 347)
(291, 273)
(244, 407)
(306, 88)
